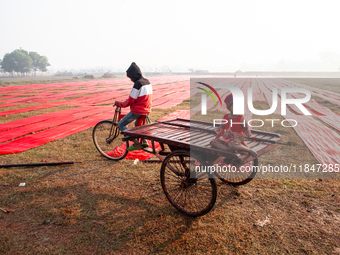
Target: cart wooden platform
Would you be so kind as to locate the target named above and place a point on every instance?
(190, 165)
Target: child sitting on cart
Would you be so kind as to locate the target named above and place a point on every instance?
(139, 100)
(231, 137)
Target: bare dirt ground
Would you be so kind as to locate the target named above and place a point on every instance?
(98, 206)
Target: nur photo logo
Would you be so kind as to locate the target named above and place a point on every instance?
(239, 100)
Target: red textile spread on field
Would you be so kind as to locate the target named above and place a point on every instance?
(42, 117)
(37, 107)
(64, 119)
(329, 96)
(49, 135)
(332, 120)
(178, 98)
(138, 154)
(101, 93)
(184, 114)
(257, 94)
(323, 142)
(9, 105)
(320, 109)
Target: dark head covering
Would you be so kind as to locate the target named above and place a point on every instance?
(134, 72)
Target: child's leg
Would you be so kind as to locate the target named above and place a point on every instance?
(127, 119)
(221, 146)
(240, 147)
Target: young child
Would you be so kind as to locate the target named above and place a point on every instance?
(232, 137)
(139, 100)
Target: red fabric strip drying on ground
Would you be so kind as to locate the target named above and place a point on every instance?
(178, 98)
(138, 154)
(33, 128)
(322, 110)
(184, 114)
(49, 92)
(28, 109)
(332, 120)
(164, 98)
(329, 96)
(6, 97)
(323, 142)
(42, 117)
(267, 91)
(41, 138)
(9, 105)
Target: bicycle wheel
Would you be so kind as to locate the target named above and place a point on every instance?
(238, 174)
(192, 196)
(108, 140)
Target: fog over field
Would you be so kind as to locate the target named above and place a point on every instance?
(215, 36)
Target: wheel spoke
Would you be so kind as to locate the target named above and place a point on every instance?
(108, 140)
(193, 196)
(239, 177)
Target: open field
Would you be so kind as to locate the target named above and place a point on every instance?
(97, 206)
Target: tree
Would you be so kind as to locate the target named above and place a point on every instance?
(8, 63)
(22, 62)
(39, 62)
(17, 61)
(43, 63)
(35, 60)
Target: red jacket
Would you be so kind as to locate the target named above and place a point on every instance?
(140, 98)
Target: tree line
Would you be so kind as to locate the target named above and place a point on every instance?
(22, 61)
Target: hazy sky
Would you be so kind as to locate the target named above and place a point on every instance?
(251, 35)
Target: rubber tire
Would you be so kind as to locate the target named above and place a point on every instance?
(166, 184)
(244, 181)
(99, 134)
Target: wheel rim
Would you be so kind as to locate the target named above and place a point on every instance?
(193, 196)
(110, 147)
(238, 174)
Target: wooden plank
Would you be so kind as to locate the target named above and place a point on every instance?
(183, 136)
(175, 134)
(153, 132)
(206, 141)
(195, 136)
(180, 137)
(162, 133)
(198, 138)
